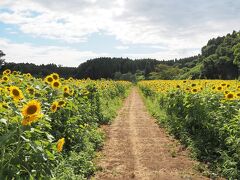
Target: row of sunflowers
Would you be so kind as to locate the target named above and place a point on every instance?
(49, 128)
(204, 115)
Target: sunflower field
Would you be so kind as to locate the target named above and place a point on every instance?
(204, 115)
(49, 128)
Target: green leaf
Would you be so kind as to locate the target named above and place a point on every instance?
(25, 139)
(6, 137)
(50, 155)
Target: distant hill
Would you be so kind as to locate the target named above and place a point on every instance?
(220, 59)
(103, 67)
(106, 67)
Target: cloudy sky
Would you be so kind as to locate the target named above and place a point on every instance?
(70, 32)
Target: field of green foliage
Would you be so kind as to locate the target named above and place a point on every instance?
(204, 115)
(49, 128)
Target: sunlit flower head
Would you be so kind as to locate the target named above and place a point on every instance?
(7, 72)
(54, 106)
(60, 144)
(48, 79)
(31, 112)
(66, 88)
(61, 103)
(55, 76)
(5, 78)
(56, 84)
(16, 93)
(230, 96)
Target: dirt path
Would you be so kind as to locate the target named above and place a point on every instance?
(137, 148)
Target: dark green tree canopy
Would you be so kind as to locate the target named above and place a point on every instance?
(1, 60)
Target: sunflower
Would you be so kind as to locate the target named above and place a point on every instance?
(219, 88)
(31, 112)
(66, 88)
(30, 90)
(48, 79)
(4, 105)
(60, 144)
(226, 92)
(54, 106)
(238, 94)
(61, 103)
(5, 78)
(14, 72)
(16, 93)
(30, 119)
(230, 96)
(7, 72)
(55, 76)
(28, 75)
(71, 92)
(194, 90)
(70, 79)
(85, 92)
(56, 84)
(7, 89)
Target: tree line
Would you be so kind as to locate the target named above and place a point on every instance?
(103, 67)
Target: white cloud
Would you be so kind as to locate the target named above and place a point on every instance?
(133, 21)
(45, 54)
(71, 21)
(122, 47)
(173, 25)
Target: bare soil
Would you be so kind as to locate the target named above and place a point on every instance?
(137, 148)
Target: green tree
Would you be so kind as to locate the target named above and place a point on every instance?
(139, 75)
(2, 61)
(163, 71)
(117, 75)
(236, 53)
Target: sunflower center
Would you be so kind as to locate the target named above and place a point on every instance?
(230, 96)
(15, 92)
(54, 107)
(50, 79)
(31, 109)
(61, 103)
(55, 84)
(55, 77)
